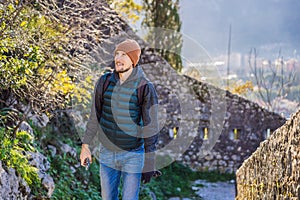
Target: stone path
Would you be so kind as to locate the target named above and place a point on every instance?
(212, 191)
(215, 191)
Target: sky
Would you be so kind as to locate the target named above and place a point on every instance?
(267, 25)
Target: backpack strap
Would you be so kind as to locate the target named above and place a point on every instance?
(102, 82)
(105, 85)
(141, 90)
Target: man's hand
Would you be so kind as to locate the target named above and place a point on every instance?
(85, 153)
(146, 177)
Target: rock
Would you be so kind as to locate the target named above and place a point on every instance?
(226, 158)
(39, 161)
(209, 157)
(195, 188)
(222, 163)
(52, 149)
(65, 148)
(236, 157)
(26, 127)
(12, 187)
(48, 183)
(40, 120)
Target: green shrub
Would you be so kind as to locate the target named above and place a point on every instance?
(12, 154)
(177, 180)
(71, 181)
(74, 185)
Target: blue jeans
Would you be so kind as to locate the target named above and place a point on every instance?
(127, 165)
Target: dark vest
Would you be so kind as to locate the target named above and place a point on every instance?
(121, 116)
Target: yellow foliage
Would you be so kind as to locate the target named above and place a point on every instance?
(62, 83)
(23, 23)
(128, 9)
(81, 92)
(243, 88)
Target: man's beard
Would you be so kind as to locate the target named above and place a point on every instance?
(123, 70)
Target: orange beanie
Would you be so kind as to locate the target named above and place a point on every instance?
(131, 48)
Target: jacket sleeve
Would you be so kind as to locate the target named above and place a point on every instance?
(92, 124)
(151, 128)
(150, 118)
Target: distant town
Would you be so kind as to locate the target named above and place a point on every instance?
(241, 70)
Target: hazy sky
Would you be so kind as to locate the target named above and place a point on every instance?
(267, 25)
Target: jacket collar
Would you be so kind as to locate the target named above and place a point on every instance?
(137, 73)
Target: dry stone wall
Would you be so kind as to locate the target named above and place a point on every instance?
(234, 125)
(272, 171)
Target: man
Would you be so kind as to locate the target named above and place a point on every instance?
(128, 125)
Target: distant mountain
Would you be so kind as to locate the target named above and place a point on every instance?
(267, 25)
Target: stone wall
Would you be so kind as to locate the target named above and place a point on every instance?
(244, 125)
(235, 126)
(272, 172)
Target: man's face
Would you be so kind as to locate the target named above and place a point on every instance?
(123, 62)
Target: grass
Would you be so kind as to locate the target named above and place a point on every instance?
(177, 180)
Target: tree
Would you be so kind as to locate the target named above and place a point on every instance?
(163, 19)
(129, 9)
(273, 80)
